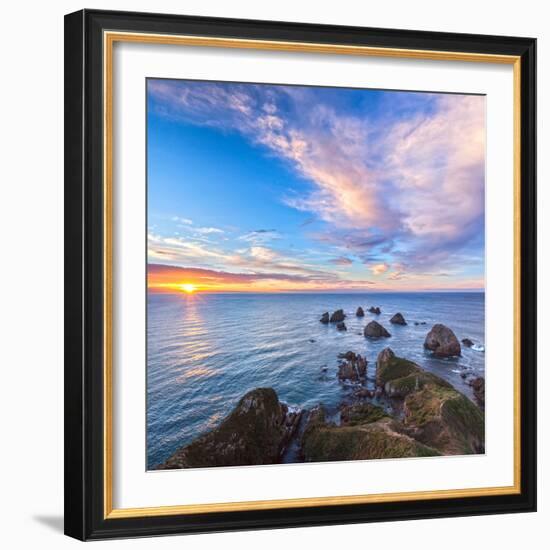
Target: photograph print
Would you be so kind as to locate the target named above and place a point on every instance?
(315, 275)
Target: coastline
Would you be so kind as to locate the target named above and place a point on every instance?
(397, 410)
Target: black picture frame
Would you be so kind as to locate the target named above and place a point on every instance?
(84, 281)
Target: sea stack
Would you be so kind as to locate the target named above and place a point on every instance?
(376, 330)
(324, 318)
(375, 310)
(442, 342)
(398, 319)
(360, 312)
(338, 316)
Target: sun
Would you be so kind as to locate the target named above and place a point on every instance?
(188, 287)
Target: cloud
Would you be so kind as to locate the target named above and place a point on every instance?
(404, 185)
(209, 230)
(180, 220)
(167, 278)
(378, 269)
(259, 236)
(342, 260)
(256, 259)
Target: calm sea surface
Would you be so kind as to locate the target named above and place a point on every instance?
(205, 351)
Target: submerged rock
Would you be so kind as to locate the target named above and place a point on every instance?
(435, 413)
(375, 310)
(338, 316)
(467, 342)
(324, 318)
(360, 312)
(398, 319)
(441, 340)
(255, 432)
(341, 326)
(366, 432)
(376, 330)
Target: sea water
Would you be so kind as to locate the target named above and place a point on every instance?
(205, 351)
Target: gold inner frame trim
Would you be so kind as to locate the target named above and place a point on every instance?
(109, 39)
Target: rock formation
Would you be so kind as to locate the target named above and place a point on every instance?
(353, 369)
(376, 330)
(375, 310)
(398, 319)
(478, 387)
(365, 432)
(338, 316)
(442, 341)
(255, 432)
(360, 312)
(435, 413)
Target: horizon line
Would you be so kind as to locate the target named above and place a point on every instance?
(381, 291)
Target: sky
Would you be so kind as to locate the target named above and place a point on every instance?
(272, 188)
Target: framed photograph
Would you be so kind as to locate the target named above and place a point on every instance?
(300, 274)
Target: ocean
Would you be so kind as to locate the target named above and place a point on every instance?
(205, 351)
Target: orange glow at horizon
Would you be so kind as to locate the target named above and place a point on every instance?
(192, 281)
(188, 287)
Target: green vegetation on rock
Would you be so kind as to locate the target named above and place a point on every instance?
(436, 414)
(363, 413)
(445, 419)
(360, 441)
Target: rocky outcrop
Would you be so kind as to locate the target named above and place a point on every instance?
(435, 413)
(325, 318)
(361, 413)
(398, 319)
(338, 316)
(353, 369)
(349, 355)
(442, 342)
(478, 387)
(467, 342)
(341, 326)
(445, 419)
(376, 330)
(366, 432)
(375, 310)
(360, 312)
(255, 432)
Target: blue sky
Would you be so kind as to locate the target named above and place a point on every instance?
(293, 188)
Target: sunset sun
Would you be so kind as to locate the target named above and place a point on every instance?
(188, 287)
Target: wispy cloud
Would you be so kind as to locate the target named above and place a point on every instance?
(180, 220)
(342, 260)
(259, 236)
